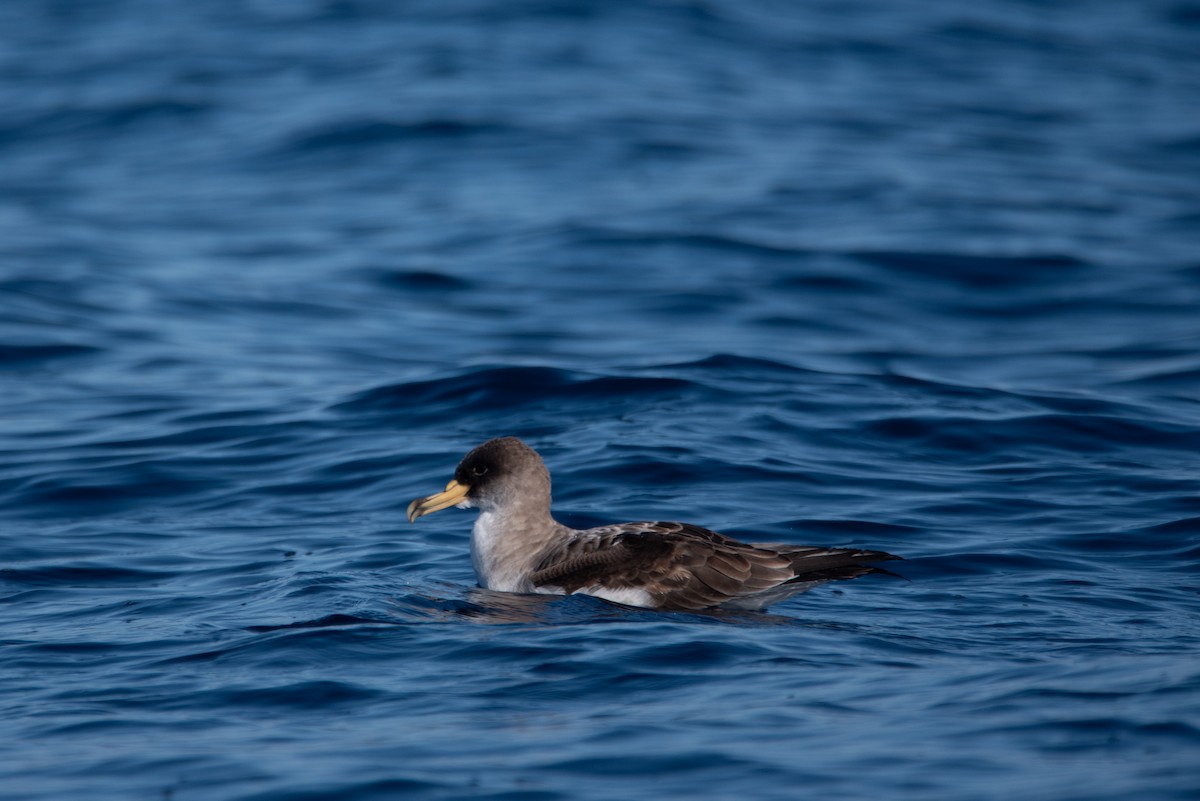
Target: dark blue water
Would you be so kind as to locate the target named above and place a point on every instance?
(922, 277)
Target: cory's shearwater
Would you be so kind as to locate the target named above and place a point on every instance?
(517, 546)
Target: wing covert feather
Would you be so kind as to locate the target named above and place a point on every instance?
(687, 567)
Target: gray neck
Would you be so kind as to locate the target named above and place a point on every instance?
(508, 541)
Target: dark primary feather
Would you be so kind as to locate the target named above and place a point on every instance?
(688, 567)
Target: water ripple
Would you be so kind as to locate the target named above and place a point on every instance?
(917, 277)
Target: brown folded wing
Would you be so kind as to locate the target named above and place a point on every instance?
(688, 567)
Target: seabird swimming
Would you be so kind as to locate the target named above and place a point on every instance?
(517, 546)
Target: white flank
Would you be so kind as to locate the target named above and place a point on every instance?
(630, 596)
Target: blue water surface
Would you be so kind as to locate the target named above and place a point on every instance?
(921, 277)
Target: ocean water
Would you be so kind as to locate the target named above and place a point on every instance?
(922, 277)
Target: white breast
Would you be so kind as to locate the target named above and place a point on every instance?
(500, 564)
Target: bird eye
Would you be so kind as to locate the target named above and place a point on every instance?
(478, 470)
